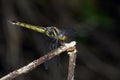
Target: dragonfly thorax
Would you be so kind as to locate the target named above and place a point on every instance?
(55, 33)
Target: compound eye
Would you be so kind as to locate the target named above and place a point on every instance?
(62, 37)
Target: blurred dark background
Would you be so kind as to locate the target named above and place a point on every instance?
(95, 22)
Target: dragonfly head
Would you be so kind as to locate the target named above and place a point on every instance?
(62, 37)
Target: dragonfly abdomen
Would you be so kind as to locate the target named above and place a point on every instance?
(29, 26)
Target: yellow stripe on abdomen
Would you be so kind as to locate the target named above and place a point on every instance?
(33, 27)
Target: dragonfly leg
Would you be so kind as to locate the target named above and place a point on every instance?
(52, 46)
(46, 65)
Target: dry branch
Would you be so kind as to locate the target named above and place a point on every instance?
(72, 60)
(37, 62)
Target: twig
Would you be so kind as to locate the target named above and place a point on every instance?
(72, 60)
(37, 62)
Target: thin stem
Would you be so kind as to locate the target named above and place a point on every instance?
(72, 60)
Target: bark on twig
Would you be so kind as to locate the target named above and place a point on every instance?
(72, 60)
(37, 62)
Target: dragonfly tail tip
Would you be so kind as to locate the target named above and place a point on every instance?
(12, 21)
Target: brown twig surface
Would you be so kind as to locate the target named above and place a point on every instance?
(37, 62)
(72, 60)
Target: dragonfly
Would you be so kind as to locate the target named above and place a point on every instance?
(57, 35)
(52, 32)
